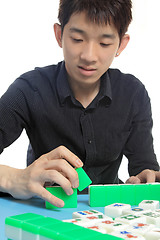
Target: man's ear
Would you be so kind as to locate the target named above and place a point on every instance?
(58, 33)
(124, 41)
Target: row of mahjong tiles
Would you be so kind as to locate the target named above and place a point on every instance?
(119, 221)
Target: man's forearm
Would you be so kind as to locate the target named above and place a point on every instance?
(54, 166)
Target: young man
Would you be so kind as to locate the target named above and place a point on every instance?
(80, 109)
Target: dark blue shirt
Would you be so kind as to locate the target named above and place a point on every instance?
(117, 122)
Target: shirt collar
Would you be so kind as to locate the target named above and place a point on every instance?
(64, 90)
(63, 87)
(105, 88)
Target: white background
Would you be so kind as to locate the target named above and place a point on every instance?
(27, 40)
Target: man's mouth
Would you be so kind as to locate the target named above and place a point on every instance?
(87, 68)
(87, 71)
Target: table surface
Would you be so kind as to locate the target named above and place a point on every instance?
(10, 206)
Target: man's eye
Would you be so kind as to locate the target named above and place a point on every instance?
(105, 45)
(77, 40)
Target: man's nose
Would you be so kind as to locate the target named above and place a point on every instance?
(89, 53)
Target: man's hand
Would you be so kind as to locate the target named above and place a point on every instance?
(146, 176)
(52, 167)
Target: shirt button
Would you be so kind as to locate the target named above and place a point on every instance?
(89, 141)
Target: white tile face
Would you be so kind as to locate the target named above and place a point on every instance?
(90, 220)
(157, 210)
(29, 236)
(13, 232)
(111, 226)
(154, 234)
(86, 213)
(152, 217)
(130, 219)
(134, 211)
(77, 221)
(98, 218)
(140, 228)
(95, 227)
(127, 235)
(149, 205)
(89, 215)
(95, 218)
(116, 209)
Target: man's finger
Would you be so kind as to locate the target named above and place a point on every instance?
(47, 196)
(53, 175)
(147, 176)
(63, 152)
(157, 176)
(151, 178)
(65, 169)
(133, 180)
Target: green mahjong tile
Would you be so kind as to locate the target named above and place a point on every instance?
(127, 194)
(17, 220)
(112, 193)
(142, 192)
(87, 234)
(84, 180)
(33, 226)
(80, 234)
(103, 195)
(97, 196)
(55, 231)
(107, 237)
(70, 201)
(154, 190)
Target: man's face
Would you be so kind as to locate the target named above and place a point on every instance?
(88, 48)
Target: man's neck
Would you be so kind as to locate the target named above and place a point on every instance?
(85, 93)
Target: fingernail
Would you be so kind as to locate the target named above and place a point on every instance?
(79, 163)
(60, 204)
(76, 184)
(69, 191)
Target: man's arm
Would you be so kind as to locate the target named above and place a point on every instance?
(51, 167)
(139, 149)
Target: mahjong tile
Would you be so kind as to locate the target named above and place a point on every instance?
(140, 228)
(134, 211)
(77, 221)
(157, 210)
(131, 218)
(127, 235)
(91, 219)
(96, 218)
(116, 209)
(152, 218)
(95, 227)
(149, 204)
(111, 226)
(154, 234)
(86, 213)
